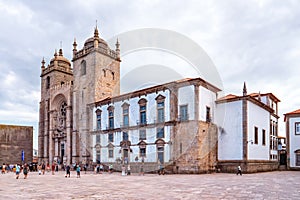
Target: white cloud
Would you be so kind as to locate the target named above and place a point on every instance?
(253, 41)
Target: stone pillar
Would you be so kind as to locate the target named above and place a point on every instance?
(173, 103)
(41, 132)
(68, 146)
(173, 118)
(196, 103)
(245, 127)
(74, 146)
(56, 144)
(46, 132)
(51, 141)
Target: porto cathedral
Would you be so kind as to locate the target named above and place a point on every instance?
(66, 95)
(181, 125)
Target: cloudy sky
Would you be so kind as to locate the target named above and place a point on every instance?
(256, 41)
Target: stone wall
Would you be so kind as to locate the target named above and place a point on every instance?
(195, 147)
(14, 139)
(250, 166)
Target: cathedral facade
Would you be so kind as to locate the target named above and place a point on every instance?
(183, 125)
(66, 93)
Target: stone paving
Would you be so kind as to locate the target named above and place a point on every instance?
(269, 185)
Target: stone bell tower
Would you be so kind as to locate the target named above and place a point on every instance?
(55, 115)
(96, 76)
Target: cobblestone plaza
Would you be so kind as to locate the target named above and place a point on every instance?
(270, 185)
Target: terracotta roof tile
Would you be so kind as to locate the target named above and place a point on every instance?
(294, 112)
(229, 96)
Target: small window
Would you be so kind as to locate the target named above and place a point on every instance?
(110, 117)
(83, 68)
(180, 148)
(160, 133)
(110, 153)
(125, 136)
(97, 139)
(297, 128)
(48, 82)
(143, 108)
(263, 137)
(125, 107)
(297, 159)
(160, 108)
(110, 137)
(98, 119)
(98, 156)
(255, 135)
(183, 113)
(142, 134)
(208, 119)
(143, 152)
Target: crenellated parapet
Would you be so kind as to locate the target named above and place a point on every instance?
(62, 86)
(58, 63)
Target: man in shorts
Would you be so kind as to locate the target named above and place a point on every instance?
(17, 171)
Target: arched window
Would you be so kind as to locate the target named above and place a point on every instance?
(83, 68)
(48, 82)
(63, 109)
(113, 75)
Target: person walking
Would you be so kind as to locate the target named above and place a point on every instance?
(123, 170)
(3, 168)
(53, 168)
(68, 173)
(101, 168)
(128, 170)
(18, 169)
(239, 171)
(25, 170)
(85, 168)
(78, 171)
(43, 168)
(39, 167)
(110, 168)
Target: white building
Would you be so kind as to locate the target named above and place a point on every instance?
(155, 125)
(292, 120)
(248, 132)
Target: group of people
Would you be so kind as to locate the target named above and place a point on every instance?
(126, 170)
(17, 168)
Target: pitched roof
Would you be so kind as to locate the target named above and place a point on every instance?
(294, 112)
(227, 97)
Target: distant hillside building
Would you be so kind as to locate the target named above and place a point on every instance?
(292, 120)
(16, 142)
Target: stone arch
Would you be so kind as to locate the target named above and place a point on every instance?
(57, 101)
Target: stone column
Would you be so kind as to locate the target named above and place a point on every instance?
(46, 132)
(41, 132)
(56, 144)
(51, 134)
(68, 146)
(74, 146)
(196, 103)
(173, 118)
(245, 127)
